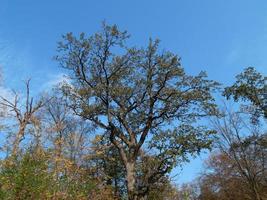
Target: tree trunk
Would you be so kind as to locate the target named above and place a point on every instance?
(131, 180)
(143, 197)
(18, 139)
(256, 193)
(254, 188)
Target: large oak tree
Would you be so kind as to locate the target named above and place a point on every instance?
(141, 97)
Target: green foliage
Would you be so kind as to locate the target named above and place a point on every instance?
(25, 177)
(105, 163)
(250, 85)
(146, 113)
(30, 177)
(133, 94)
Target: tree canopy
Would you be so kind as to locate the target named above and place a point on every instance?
(123, 120)
(141, 97)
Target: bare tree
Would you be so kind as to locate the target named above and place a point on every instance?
(244, 144)
(24, 114)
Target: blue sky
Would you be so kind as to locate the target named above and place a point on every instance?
(221, 37)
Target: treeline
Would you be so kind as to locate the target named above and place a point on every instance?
(124, 119)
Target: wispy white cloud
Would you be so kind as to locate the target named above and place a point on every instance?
(55, 80)
(5, 93)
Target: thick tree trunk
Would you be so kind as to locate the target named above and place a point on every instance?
(131, 180)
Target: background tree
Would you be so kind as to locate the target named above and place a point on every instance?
(240, 165)
(244, 144)
(221, 180)
(26, 177)
(250, 85)
(66, 137)
(137, 96)
(30, 172)
(23, 113)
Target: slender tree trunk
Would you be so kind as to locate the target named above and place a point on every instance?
(256, 193)
(131, 180)
(143, 197)
(116, 192)
(18, 139)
